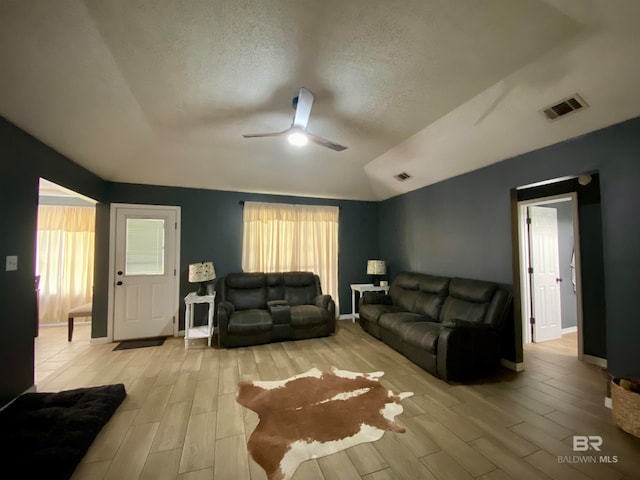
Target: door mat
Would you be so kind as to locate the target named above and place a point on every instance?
(147, 342)
(45, 435)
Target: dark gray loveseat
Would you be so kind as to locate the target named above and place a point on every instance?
(255, 308)
(448, 326)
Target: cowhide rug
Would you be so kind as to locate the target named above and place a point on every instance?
(316, 414)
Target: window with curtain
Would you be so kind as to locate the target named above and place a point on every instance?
(279, 237)
(64, 259)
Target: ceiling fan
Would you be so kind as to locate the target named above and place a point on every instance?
(297, 133)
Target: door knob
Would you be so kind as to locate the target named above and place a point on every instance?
(558, 280)
(119, 283)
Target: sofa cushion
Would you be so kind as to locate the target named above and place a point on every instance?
(433, 291)
(372, 311)
(423, 335)
(393, 321)
(404, 291)
(308, 315)
(419, 293)
(468, 300)
(250, 321)
(472, 290)
(456, 309)
(275, 286)
(246, 291)
(300, 288)
(245, 280)
(298, 279)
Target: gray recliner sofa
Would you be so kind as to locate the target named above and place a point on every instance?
(451, 327)
(256, 308)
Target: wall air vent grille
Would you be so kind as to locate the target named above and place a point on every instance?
(565, 107)
(401, 177)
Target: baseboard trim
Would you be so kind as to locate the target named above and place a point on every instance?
(99, 340)
(63, 324)
(516, 367)
(601, 362)
(345, 316)
(569, 330)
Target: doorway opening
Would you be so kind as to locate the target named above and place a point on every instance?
(550, 270)
(64, 257)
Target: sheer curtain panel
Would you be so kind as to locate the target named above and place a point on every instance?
(279, 237)
(64, 259)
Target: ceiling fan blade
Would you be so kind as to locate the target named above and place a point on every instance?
(303, 108)
(325, 143)
(273, 134)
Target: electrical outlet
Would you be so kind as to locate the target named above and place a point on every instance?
(12, 263)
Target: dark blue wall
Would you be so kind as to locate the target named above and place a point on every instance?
(462, 226)
(23, 160)
(212, 230)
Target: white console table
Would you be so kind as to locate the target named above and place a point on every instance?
(361, 288)
(204, 331)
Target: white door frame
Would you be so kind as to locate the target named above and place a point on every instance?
(524, 255)
(112, 258)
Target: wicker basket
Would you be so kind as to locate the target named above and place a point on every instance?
(625, 408)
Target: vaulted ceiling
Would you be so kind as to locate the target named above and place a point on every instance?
(161, 91)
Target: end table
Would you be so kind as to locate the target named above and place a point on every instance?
(361, 288)
(203, 331)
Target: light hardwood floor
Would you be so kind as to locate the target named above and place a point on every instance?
(180, 419)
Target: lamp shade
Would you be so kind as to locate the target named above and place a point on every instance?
(201, 272)
(376, 267)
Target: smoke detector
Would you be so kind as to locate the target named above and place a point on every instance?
(401, 177)
(564, 107)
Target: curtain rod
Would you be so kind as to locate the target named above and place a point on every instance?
(241, 203)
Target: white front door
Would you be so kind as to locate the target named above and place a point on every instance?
(545, 273)
(145, 272)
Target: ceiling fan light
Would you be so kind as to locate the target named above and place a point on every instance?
(298, 139)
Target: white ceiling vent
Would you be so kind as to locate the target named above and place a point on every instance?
(401, 177)
(565, 107)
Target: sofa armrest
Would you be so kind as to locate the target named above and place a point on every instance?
(368, 298)
(326, 302)
(225, 310)
(226, 307)
(466, 350)
(322, 301)
(498, 308)
(280, 312)
(277, 303)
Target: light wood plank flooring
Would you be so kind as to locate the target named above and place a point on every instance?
(180, 419)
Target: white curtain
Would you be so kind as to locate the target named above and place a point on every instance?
(280, 237)
(64, 259)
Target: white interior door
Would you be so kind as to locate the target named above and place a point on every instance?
(545, 273)
(145, 273)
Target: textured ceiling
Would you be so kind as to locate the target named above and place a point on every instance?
(160, 92)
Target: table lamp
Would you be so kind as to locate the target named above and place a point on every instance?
(201, 273)
(376, 268)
